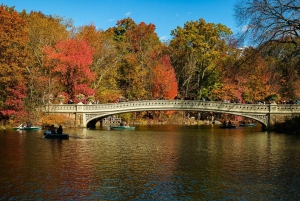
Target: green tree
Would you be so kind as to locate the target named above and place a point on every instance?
(196, 49)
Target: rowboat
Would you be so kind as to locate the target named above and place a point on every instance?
(49, 135)
(228, 126)
(248, 125)
(27, 128)
(122, 127)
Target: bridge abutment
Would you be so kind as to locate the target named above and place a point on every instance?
(279, 118)
(281, 113)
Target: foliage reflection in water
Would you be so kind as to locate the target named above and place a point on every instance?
(151, 163)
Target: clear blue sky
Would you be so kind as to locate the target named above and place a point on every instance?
(166, 15)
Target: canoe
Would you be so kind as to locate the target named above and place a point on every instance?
(122, 127)
(248, 125)
(25, 128)
(228, 126)
(49, 135)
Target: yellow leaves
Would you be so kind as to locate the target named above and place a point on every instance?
(45, 30)
(108, 95)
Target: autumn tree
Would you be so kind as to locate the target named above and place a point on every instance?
(195, 52)
(139, 41)
(13, 54)
(284, 69)
(68, 65)
(42, 31)
(124, 63)
(163, 83)
(106, 61)
(273, 27)
(255, 77)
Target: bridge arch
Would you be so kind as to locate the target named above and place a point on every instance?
(95, 117)
(260, 118)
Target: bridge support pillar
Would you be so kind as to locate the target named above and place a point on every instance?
(271, 121)
(83, 120)
(79, 120)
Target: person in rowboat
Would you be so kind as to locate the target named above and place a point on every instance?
(21, 126)
(59, 130)
(52, 129)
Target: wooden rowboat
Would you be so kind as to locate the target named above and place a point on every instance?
(121, 127)
(49, 135)
(248, 125)
(25, 128)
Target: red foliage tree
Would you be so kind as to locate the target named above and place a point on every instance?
(70, 62)
(164, 82)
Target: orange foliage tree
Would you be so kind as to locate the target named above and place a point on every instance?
(245, 80)
(13, 40)
(140, 42)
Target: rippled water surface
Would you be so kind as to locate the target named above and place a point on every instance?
(151, 163)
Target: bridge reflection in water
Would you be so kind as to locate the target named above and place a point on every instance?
(267, 114)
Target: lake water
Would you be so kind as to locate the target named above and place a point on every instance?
(166, 162)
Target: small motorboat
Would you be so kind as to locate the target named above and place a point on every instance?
(49, 135)
(121, 127)
(27, 128)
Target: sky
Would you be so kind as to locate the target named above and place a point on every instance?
(166, 15)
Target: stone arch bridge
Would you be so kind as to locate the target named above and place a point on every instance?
(267, 114)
